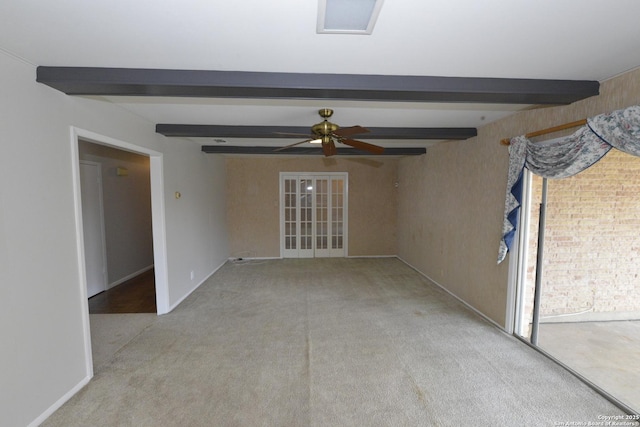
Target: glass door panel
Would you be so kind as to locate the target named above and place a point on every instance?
(306, 218)
(322, 216)
(579, 297)
(313, 215)
(289, 206)
(337, 216)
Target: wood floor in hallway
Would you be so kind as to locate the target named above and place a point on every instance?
(137, 295)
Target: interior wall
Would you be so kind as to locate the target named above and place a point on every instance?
(127, 210)
(43, 361)
(253, 197)
(197, 240)
(451, 201)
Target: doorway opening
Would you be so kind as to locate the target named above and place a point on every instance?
(313, 215)
(116, 210)
(158, 258)
(579, 293)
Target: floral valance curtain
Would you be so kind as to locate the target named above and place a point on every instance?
(565, 157)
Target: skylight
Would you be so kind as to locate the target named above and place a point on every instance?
(347, 16)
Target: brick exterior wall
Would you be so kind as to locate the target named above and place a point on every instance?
(592, 242)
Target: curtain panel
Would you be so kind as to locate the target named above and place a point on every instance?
(564, 157)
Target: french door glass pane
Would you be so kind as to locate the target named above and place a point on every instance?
(321, 213)
(290, 214)
(337, 198)
(306, 213)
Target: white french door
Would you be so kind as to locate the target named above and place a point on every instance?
(313, 215)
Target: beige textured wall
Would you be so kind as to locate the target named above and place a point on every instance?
(451, 200)
(253, 202)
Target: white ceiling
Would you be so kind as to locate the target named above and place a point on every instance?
(570, 39)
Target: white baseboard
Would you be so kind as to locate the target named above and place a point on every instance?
(253, 258)
(177, 303)
(372, 256)
(466, 304)
(53, 408)
(129, 277)
(68, 395)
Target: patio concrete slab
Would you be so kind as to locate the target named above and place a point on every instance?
(606, 353)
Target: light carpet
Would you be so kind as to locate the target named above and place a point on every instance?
(327, 342)
(111, 332)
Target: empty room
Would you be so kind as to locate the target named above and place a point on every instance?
(342, 205)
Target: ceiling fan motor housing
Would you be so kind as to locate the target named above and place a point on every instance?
(325, 128)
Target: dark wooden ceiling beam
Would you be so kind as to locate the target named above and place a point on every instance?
(300, 132)
(303, 151)
(242, 84)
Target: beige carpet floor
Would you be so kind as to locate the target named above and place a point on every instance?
(111, 332)
(327, 342)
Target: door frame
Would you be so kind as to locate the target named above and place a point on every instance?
(157, 220)
(103, 240)
(314, 175)
(517, 275)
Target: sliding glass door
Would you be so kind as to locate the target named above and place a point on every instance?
(579, 290)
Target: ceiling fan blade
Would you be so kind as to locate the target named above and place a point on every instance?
(375, 149)
(353, 130)
(329, 149)
(292, 145)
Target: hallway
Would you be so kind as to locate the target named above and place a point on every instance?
(137, 295)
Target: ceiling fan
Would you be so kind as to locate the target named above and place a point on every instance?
(329, 133)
